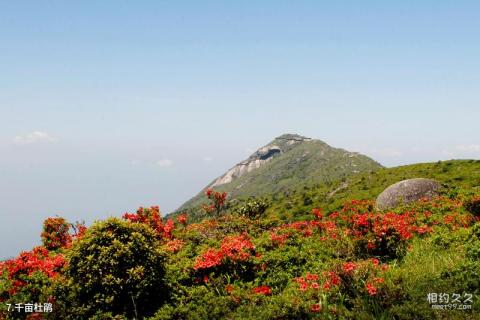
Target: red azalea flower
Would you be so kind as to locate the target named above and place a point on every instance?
(349, 267)
(210, 258)
(237, 248)
(303, 286)
(317, 213)
(174, 245)
(314, 285)
(379, 280)
(265, 290)
(316, 307)
(27, 263)
(312, 277)
(182, 219)
(55, 233)
(229, 288)
(150, 216)
(334, 278)
(168, 228)
(371, 289)
(278, 239)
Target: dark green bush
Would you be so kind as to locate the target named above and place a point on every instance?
(472, 205)
(253, 209)
(115, 269)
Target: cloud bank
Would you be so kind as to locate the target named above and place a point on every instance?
(35, 137)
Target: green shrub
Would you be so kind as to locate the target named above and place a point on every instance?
(253, 209)
(472, 205)
(116, 269)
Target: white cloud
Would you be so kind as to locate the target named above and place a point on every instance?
(468, 148)
(462, 151)
(35, 137)
(164, 163)
(387, 152)
(207, 159)
(448, 153)
(135, 163)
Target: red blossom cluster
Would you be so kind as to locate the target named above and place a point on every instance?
(237, 248)
(174, 245)
(209, 259)
(349, 267)
(306, 228)
(332, 279)
(455, 220)
(265, 290)
(151, 217)
(229, 288)
(234, 248)
(378, 232)
(368, 276)
(357, 206)
(217, 201)
(27, 263)
(310, 281)
(79, 230)
(371, 289)
(317, 213)
(376, 228)
(168, 228)
(278, 239)
(55, 233)
(182, 219)
(316, 307)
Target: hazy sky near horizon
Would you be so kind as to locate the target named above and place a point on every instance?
(107, 106)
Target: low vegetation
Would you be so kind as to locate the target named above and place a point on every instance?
(253, 260)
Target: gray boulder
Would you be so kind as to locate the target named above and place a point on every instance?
(407, 191)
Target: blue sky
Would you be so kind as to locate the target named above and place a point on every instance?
(107, 106)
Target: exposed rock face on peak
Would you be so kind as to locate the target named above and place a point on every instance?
(407, 191)
(263, 155)
(284, 163)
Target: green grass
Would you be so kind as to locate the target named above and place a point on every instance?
(298, 201)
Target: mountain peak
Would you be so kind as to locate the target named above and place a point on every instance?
(288, 160)
(292, 136)
(263, 155)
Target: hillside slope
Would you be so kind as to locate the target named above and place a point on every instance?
(297, 202)
(286, 162)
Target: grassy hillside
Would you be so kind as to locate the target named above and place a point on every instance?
(295, 199)
(307, 162)
(296, 202)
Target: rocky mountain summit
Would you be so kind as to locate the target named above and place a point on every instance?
(286, 162)
(280, 145)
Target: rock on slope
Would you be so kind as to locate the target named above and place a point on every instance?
(407, 191)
